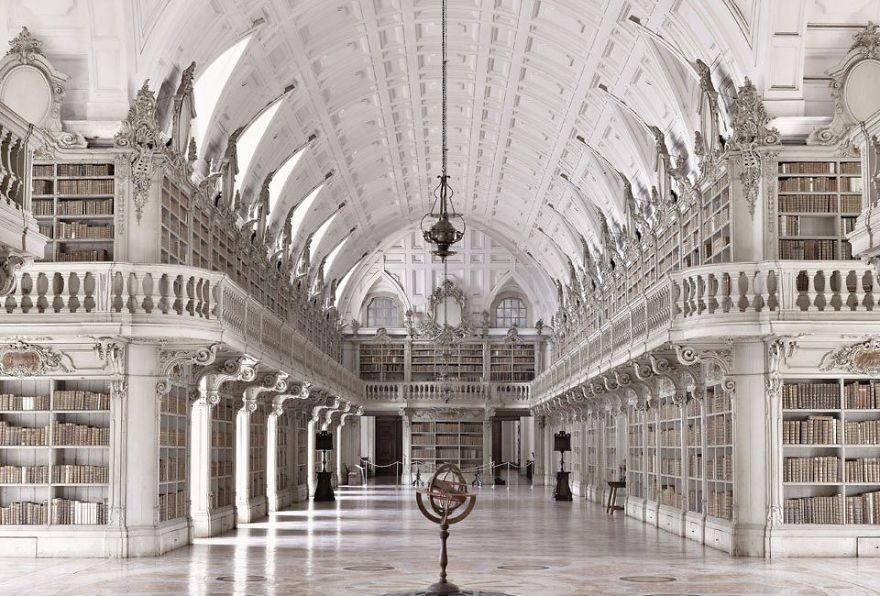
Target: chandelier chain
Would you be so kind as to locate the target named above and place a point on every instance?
(443, 77)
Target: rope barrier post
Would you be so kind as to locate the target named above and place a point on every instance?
(508, 475)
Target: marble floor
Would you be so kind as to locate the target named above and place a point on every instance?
(374, 541)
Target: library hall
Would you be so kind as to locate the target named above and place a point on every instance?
(440, 297)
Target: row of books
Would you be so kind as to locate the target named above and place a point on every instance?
(719, 430)
(811, 469)
(471, 453)
(172, 437)
(172, 505)
(67, 433)
(863, 509)
(847, 225)
(815, 430)
(24, 513)
(472, 440)
(808, 184)
(720, 468)
(11, 436)
(222, 439)
(170, 404)
(811, 250)
(695, 435)
(813, 510)
(716, 222)
(43, 187)
(811, 396)
(670, 496)
(858, 396)
(80, 474)
(72, 256)
(223, 494)
(670, 437)
(23, 403)
(80, 400)
(718, 402)
(85, 169)
(670, 466)
(808, 204)
(866, 469)
(866, 432)
(172, 469)
(720, 504)
(67, 512)
(82, 207)
(819, 167)
(61, 474)
(24, 474)
(695, 466)
(222, 468)
(77, 231)
(85, 187)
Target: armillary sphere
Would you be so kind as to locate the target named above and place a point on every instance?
(448, 502)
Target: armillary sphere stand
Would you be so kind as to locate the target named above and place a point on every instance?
(448, 502)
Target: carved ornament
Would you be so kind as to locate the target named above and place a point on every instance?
(20, 359)
(861, 358)
(140, 132)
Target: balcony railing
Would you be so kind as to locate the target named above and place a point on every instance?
(740, 297)
(171, 296)
(458, 391)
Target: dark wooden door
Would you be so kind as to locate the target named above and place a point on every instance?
(389, 444)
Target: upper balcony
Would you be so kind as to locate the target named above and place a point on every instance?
(718, 303)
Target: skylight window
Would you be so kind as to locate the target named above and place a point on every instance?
(280, 179)
(208, 87)
(250, 140)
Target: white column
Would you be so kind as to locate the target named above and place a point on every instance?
(539, 425)
(340, 445)
(310, 455)
(272, 458)
(200, 464)
(243, 460)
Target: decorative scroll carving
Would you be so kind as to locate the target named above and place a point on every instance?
(863, 61)
(20, 359)
(170, 360)
(445, 333)
(111, 353)
(861, 358)
(140, 132)
(749, 120)
(447, 414)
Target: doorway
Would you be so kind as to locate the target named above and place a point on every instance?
(389, 444)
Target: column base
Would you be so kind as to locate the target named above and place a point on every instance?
(213, 522)
(250, 510)
(279, 500)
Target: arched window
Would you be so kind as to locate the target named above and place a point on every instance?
(383, 312)
(510, 312)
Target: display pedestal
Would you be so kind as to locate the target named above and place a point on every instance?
(324, 490)
(562, 491)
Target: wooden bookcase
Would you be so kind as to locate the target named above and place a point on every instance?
(464, 362)
(54, 452)
(818, 202)
(512, 362)
(302, 449)
(457, 442)
(831, 451)
(173, 440)
(670, 456)
(612, 468)
(382, 361)
(282, 469)
(651, 441)
(695, 452)
(594, 450)
(74, 203)
(635, 464)
(718, 433)
(223, 454)
(257, 453)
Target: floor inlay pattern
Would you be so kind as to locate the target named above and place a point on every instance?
(348, 547)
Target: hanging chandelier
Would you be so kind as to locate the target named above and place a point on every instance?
(443, 233)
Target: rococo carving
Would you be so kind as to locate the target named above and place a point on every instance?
(861, 358)
(20, 359)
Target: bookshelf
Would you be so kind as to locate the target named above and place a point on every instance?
(302, 448)
(175, 224)
(831, 451)
(447, 441)
(464, 361)
(577, 464)
(651, 450)
(223, 454)
(612, 468)
(668, 250)
(593, 445)
(512, 362)
(257, 453)
(716, 223)
(74, 206)
(719, 452)
(670, 476)
(382, 361)
(54, 452)
(282, 465)
(694, 434)
(635, 464)
(818, 202)
(173, 440)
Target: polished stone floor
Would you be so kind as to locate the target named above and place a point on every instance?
(374, 541)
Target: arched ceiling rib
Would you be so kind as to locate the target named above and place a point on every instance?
(523, 88)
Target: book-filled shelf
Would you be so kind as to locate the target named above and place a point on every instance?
(719, 452)
(257, 452)
(635, 459)
(223, 454)
(612, 465)
(671, 484)
(282, 457)
(173, 441)
(512, 362)
(694, 436)
(382, 361)
(54, 452)
(458, 442)
(461, 362)
(74, 203)
(831, 451)
(302, 449)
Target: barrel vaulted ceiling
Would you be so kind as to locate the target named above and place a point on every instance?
(525, 99)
